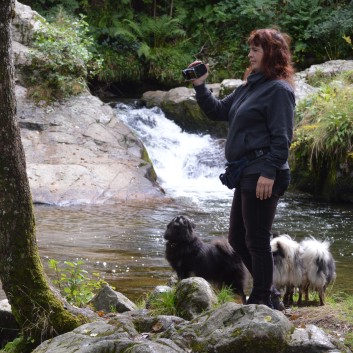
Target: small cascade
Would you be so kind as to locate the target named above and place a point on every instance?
(187, 165)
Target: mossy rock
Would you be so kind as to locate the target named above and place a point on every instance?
(330, 183)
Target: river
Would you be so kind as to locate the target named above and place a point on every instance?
(124, 242)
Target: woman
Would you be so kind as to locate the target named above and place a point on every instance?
(260, 115)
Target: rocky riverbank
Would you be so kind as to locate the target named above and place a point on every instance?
(201, 323)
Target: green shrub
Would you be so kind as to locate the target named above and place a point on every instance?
(62, 59)
(73, 282)
(151, 40)
(326, 126)
(322, 146)
(120, 65)
(329, 31)
(143, 48)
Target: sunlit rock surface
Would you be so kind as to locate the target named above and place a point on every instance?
(77, 151)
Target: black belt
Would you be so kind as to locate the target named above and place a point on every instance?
(257, 153)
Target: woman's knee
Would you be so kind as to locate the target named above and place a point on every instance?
(259, 245)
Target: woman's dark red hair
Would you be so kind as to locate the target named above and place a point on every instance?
(277, 58)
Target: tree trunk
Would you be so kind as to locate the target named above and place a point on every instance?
(38, 311)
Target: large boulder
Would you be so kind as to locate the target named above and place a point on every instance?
(193, 296)
(179, 104)
(77, 151)
(228, 86)
(108, 300)
(328, 69)
(235, 327)
(230, 328)
(100, 337)
(25, 23)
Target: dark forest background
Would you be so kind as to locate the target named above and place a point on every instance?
(150, 41)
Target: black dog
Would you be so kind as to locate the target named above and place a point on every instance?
(216, 262)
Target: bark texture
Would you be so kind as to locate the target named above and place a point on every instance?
(38, 311)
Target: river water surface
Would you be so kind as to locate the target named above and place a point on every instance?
(124, 242)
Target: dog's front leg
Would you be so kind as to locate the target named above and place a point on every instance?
(182, 274)
(288, 295)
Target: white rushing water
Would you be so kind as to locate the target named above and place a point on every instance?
(187, 165)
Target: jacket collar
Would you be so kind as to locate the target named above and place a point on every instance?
(254, 79)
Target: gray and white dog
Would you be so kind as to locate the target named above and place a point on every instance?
(305, 265)
(288, 268)
(216, 261)
(319, 268)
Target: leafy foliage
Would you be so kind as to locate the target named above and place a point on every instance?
(330, 30)
(154, 45)
(322, 147)
(62, 59)
(74, 283)
(152, 40)
(326, 124)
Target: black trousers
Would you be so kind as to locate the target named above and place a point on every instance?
(250, 229)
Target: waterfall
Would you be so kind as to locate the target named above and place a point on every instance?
(187, 165)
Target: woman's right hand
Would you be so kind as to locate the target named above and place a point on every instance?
(201, 80)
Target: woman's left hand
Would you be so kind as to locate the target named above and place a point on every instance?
(264, 188)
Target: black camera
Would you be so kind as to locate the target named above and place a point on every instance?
(193, 72)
